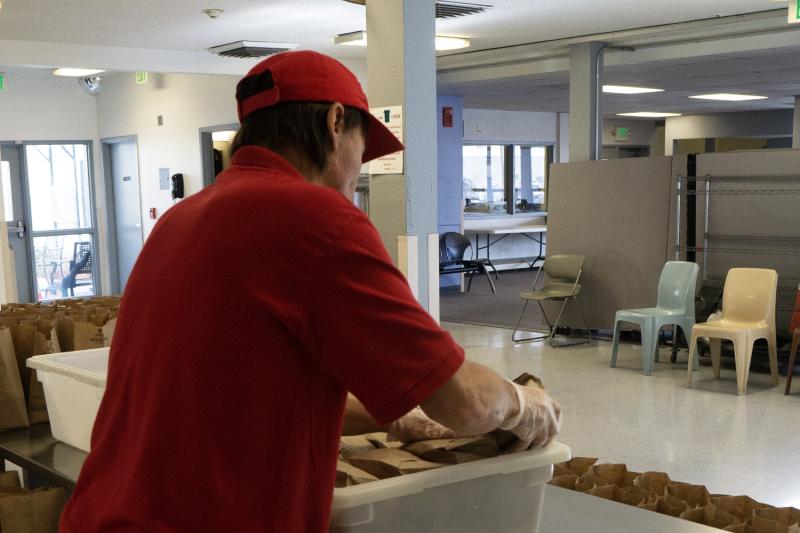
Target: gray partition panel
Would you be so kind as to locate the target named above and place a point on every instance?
(617, 213)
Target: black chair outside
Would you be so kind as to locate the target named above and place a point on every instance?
(453, 248)
(81, 263)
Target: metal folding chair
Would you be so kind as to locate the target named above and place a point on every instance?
(564, 274)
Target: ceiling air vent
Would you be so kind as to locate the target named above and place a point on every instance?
(447, 10)
(251, 49)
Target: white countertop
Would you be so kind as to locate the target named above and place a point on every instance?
(568, 511)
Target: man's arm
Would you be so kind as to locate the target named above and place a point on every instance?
(357, 420)
(474, 401)
(477, 400)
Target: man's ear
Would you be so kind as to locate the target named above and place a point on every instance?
(335, 123)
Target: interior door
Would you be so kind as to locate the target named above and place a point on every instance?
(127, 206)
(11, 172)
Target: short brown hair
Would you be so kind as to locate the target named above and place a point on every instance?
(300, 125)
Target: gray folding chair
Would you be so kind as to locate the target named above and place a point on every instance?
(563, 284)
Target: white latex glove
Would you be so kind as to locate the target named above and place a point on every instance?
(538, 420)
(416, 425)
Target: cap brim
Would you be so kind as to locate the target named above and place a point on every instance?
(380, 141)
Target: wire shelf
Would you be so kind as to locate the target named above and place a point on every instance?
(740, 178)
(757, 238)
(750, 251)
(734, 192)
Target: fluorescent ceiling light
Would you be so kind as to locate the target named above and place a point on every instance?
(649, 114)
(725, 97)
(76, 72)
(359, 38)
(354, 38)
(623, 89)
(451, 43)
(222, 136)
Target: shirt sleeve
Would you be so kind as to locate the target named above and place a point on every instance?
(364, 326)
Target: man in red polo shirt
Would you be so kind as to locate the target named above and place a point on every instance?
(255, 306)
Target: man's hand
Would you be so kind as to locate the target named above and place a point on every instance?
(416, 425)
(537, 421)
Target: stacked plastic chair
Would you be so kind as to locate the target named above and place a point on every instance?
(748, 314)
(675, 307)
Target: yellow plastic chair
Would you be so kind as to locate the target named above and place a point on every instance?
(748, 314)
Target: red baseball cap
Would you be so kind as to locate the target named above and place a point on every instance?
(306, 76)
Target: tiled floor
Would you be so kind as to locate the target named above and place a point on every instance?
(708, 435)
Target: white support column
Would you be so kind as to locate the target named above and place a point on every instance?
(401, 70)
(585, 65)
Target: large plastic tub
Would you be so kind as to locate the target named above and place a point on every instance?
(74, 383)
(502, 494)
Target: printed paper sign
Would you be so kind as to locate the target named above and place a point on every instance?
(392, 118)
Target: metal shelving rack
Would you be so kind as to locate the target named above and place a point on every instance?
(700, 187)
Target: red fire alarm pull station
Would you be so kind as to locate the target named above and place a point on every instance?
(153, 213)
(447, 117)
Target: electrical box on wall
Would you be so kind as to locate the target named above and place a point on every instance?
(164, 183)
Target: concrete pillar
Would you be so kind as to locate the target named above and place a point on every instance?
(796, 124)
(585, 63)
(401, 70)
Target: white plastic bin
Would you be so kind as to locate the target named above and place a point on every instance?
(74, 383)
(501, 494)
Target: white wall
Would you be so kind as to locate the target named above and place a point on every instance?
(186, 102)
(773, 123)
(640, 132)
(37, 106)
(486, 125)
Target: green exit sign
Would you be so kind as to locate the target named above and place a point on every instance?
(2, 82)
(141, 78)
(794, 11)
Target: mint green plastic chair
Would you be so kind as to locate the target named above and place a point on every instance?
(675, 307)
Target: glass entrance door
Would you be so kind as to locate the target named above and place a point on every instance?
(62, 225)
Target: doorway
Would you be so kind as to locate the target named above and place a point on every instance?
(53, 234)
(121, 163)
(215, 147)
(18, 287)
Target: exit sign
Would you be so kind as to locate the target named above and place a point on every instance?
(794, 11)
(141, 78)
(2, 82)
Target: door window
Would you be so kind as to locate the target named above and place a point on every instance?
(62, 222)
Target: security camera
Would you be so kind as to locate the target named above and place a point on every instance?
(90, 84)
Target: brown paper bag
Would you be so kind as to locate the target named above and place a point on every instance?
(13, 411)
(108, 331)
(65, 333)
(350, 444)
(560, 470)
(783, 515)
(617, 494)
(710, 515)
(742, 507)
(607, 474)
(379, 440)
(9, 480)
(654, 482)
(579, 465)
(348, 475)
(670, 505)
(88, 335)
(693, 495)
(385, 463)
(567, 482)
(26, 511)
(454, 451)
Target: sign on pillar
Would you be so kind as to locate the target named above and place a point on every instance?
(392, 117)
(794, 11)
